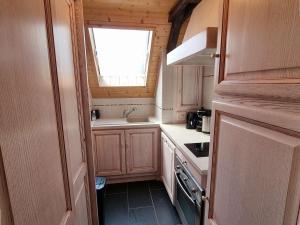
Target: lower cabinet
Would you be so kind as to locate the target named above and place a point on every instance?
(167, 156)
(109, 152)
(141, 150)
(126, 153)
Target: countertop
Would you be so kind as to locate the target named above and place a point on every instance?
(179, 135)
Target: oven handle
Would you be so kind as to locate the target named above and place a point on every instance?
(182, 188)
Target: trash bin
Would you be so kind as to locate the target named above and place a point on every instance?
(100, 188)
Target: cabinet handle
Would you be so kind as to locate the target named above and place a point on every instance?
(205, 198)
(215, 55)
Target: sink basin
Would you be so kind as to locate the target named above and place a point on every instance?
(137, 119)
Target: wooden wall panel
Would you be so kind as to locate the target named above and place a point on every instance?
(97, 14)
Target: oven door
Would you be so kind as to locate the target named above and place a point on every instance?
(189, 210)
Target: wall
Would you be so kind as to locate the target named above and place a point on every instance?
(113, 108)
(164, 101)
(206, 14)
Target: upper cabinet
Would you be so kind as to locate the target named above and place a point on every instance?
(259, 46)
(254, 169)
(189, 88)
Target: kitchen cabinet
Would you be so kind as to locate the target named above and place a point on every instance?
(109, 150)
(254, 170)
(188, 88)
(126, 153)
(141, 150)
(167, 161)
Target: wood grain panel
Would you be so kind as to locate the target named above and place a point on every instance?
(157, 6)
(128, 15)
(85, 96)
(238, 193)
(141, 150)
(67, 70)
(109, 150)
(5, 208)
(260, 49)
(29, 139)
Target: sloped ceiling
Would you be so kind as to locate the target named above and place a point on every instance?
(151, 14)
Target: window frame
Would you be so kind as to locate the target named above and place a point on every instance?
(93, 45)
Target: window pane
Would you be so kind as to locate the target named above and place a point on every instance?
(122, 56)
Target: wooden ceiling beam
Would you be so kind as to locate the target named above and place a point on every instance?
(178, 14)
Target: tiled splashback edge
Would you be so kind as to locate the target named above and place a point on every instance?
(113, 108)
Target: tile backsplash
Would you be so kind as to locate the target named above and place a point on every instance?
(114, 107)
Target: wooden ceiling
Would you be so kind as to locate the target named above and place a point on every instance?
(153, 6)
(152, 14)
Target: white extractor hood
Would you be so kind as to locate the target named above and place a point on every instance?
(197, 50)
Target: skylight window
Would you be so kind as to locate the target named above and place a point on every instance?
(122, 56)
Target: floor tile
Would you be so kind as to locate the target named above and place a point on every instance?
(155, 184)
(139, 195)
(116, 188)
(116, 209)
(166, 213)
(142, 216)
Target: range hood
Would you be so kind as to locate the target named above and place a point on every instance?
(196, 50)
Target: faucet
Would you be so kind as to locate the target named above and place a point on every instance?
(126, 113)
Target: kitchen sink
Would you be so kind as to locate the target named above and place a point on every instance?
(137, 119)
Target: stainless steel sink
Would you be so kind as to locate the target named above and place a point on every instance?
(137, 119)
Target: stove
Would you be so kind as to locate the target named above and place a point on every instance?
(199, 149)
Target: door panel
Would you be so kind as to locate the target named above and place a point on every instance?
(141, 150)
(70, 98)
(254, 173)
(109, 150)
(30, 147)
(251, 174)
(167, 159)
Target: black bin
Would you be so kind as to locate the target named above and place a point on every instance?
(100, 188)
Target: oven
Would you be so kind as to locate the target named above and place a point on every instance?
(188, 196)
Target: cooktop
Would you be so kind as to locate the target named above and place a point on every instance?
(199, 149)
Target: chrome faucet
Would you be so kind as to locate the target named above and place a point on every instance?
(126, 113)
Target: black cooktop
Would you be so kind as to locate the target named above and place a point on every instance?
(199, 149)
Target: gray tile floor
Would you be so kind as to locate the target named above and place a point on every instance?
(139, 203)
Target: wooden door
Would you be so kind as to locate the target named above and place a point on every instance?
(189, 87)
(254, 174)
(167, 160)
(142, 150)
(109, 150)
(37, 165)
(66, 63)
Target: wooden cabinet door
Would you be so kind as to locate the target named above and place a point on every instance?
(167, 161)
(66, 68)
(142, 150)
(189, 87)
(254, 170)
(109, 150)
(42, 170)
